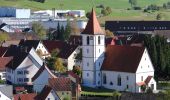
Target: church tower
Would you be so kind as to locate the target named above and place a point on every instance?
(93, 47)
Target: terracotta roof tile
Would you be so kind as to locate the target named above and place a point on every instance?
(122, 58)
(29, 96)
(60, 84)
(4, 61)
(93, 26)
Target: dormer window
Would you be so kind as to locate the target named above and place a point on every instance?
(98, 39)
(88, 40)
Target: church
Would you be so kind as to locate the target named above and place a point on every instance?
(121, 68)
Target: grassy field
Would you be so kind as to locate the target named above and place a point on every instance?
(119, 7)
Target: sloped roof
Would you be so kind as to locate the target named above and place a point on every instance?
(44, 93)
(122, 58)
(3, 50)
(29, 43)
(75, 40)
(67, 51)
(148, 79)
(29, 96)
(7, 90)
(60, 84)
(18, 54)
(4, 61)
(43, 67)
(93, 26)
(52, 45)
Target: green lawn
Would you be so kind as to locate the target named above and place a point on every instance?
(119, 7)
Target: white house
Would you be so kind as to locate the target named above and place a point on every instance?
(6, 92)
(23, 66)
(123, 68)
(40, 79)
(47, 93)
(37, 45)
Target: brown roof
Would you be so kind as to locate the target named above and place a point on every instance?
(71, 73)
(4, 61)
(148, 79)
(93, 26)
(44, 93)
(3, 50)
(19, 89)
(60, 84)
(122, 58)
(29, 43)
(29, 96)
(18, 55)
(75, 40)
(52, 45)
(43, 67)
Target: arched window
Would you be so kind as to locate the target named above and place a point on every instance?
(98, 39)
(88, 40)
(104, 78)
(119, 80)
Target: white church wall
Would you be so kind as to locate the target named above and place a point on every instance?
(126, 79)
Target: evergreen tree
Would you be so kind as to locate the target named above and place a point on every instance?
(67, 31)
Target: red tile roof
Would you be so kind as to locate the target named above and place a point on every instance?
(148, 79)
(60, 84)
(93, 26)
(71, 73)
(44, 93)
(122, 58)
(4, 61)
(30, 96)
(19, 89)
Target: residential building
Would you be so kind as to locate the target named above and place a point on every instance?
(23, 66)
(28, 96)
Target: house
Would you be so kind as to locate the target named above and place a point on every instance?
(40, 79)
(67, 52)
(118, 67)
(28, 96)
(6, 92)
(3, 62)
(23, 66)
(37, 45)
(62, 86)
(47, 93)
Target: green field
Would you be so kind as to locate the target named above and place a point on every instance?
(119, 7)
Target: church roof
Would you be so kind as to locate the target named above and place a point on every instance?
(93, 26)
(122, 58)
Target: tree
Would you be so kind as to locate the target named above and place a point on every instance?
(3, 37)
(74, 28)
(159, 16)
(67, 31)
(39, 52)
(109, 10)
(104, 12)
(59, 65)
(77, 70)
(39, 30)
(88, 15)
(61, 35)
(133, 2)
(109, 33)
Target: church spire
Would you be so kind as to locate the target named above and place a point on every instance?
(93, 26)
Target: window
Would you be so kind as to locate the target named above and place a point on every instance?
(87, 64)
(99, 64)
(3, 74)
(26, 72)
(20, 80)
(127, 86)
(98, 82)
(119, 80)
(98, 39)
(141, 78)
(104, 78)
(62, 93)
(148, 66)
(87, 74)
(19, 72)
(87, 50)
(99, 50)
(99, 74)
(48, 98)
(88, 40)
(127, 77)
(26, 79)
(111, 83)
